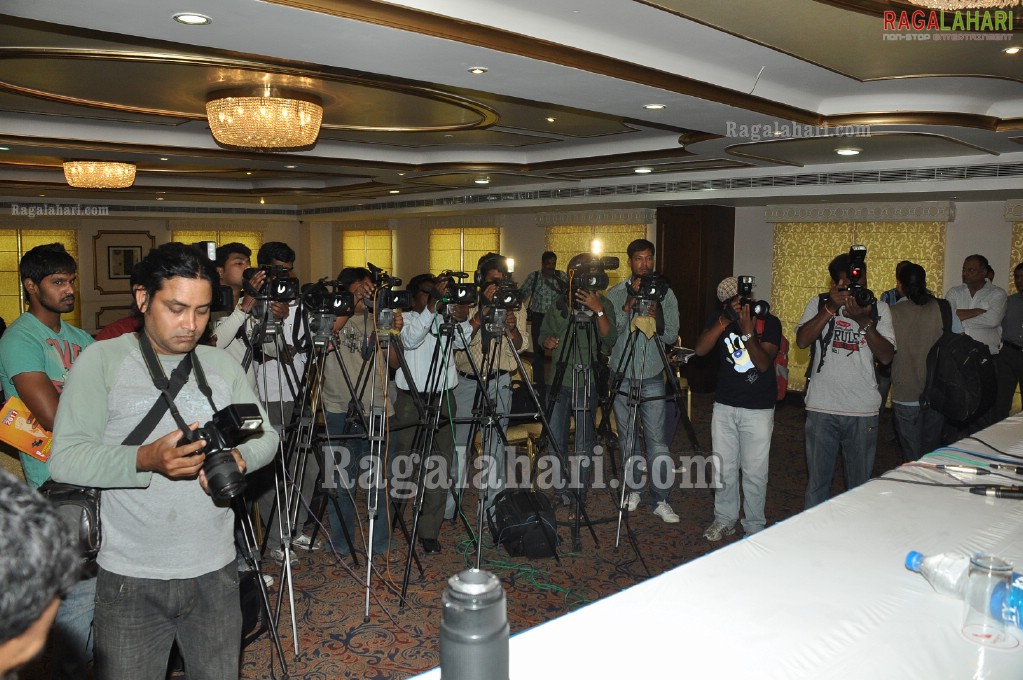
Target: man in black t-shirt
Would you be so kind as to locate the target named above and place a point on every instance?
(743, 409)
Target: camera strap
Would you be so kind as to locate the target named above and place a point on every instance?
(169, 388)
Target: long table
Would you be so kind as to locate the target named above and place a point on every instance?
(823, 594)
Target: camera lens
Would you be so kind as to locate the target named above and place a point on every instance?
(224, 479)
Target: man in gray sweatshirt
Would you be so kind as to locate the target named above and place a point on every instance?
(167, 567)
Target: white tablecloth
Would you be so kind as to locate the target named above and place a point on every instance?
(821, 595)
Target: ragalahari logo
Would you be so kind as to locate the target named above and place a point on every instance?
(940, 25)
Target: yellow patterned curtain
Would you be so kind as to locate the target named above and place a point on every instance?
(1015, 255)
(802, 252)
(13, 244)
(570, 240)
(460, 249)
(359, 246)
(252, 239)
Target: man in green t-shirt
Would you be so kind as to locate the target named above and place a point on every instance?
(36, 353)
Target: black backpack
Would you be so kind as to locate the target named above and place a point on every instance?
(961, 380)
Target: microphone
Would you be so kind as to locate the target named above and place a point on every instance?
(998, 491)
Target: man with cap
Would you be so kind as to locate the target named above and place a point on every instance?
(743, 419)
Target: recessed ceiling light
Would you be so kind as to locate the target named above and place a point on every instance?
(161, 192)
(482, 180)
(159, 198)
(42, 195)
(654, 107)
(551, 119)
(249, 172)
(401, 174)
(192, 19)
(394, 191)
(643, 171)
(163, 158)
(478, 70)
(291, 167)
(262, 201)
(449, 136)
(848, 151)
(1011, 50)
(5, 148)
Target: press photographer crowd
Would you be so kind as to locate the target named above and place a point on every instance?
(239, 417)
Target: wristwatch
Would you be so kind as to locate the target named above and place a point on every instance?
(600, 313)
(746, 337)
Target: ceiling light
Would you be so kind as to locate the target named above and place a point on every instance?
(847, 151)
(192, 19)
(262, 200)
(248, 173)
(551, 119)
(99, 174)
(271, 120)
(159, 198)
(291, 167)
(394, 191)
(163, 158)
(643, 171)
(478, 70)
(1011, 50)
(654, 107)
(5, 148)
(482, 180)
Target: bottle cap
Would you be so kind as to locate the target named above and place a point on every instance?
(913, 560)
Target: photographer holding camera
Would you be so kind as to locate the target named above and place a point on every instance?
(580, 358)
(167, 567)
(355, 342)
(640, 316)
(747, 336)
(494, 295)
(848, 328)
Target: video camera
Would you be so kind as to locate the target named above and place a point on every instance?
(277, 286)
(591, 273)
(458, 292)
(651, 291)
(757, 308)
(228, 428)
(386, 300)
(858, 277)
(324, 301)
(223, 296)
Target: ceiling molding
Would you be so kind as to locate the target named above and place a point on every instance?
(931, 211)
(362, 225)
(1014, 210)
(597, 217)
(463, 221)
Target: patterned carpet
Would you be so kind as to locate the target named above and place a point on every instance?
(336, 642)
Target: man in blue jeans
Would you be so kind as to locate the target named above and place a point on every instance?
(842, 399)
(648, 323)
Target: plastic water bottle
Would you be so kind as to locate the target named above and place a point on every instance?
(948, 574)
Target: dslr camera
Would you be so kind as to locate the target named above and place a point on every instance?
(386, 300)
(324, 301)
(228, 428)
(757, 308)
(278, 286)
(858, 277)
(458, 291)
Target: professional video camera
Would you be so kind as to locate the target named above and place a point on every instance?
(858, 277)
(458, 292)
(324, 301)
(757, 308)
(277, 286)
(223, 296)
(386, 300)
(652, 289)
(590, 273)
(228, 428)
(506, 298)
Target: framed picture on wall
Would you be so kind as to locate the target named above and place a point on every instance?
(116, 253)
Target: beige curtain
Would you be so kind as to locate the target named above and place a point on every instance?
(459, 249)
(359, 246)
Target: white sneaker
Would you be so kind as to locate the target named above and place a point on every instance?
(632, 501)
(305, 542)
(718, 530)
(664, 511)
(277, 555)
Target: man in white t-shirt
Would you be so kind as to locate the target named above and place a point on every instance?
(842, 398)
(978, 303)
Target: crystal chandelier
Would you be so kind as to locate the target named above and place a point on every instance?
(276, 120)
(99, 174)
(956, 5)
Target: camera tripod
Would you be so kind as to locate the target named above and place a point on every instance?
(580, 327)
(486, 416)
(628, 427)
